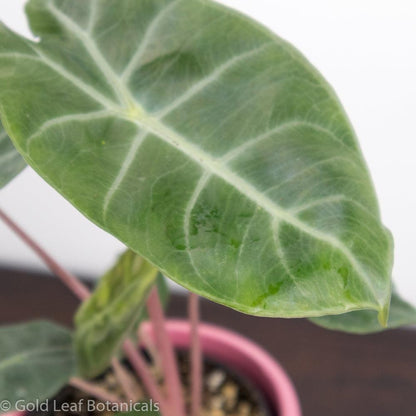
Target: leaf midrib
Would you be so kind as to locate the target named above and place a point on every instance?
(18, 358)
(213, 165)
(130, 109)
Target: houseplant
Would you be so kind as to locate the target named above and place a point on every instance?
(213, 150)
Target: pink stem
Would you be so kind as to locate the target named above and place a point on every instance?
(140, 366)
(95, 391)
(82, 292)
(145, 338)
(78, 288)
(196, 356)
(164, 345)
(125, 380)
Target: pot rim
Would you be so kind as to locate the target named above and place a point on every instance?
(248, 358)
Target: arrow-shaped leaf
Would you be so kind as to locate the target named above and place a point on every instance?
(205, 143)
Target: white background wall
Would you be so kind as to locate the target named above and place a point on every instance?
(367, 51)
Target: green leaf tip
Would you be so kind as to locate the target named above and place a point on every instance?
(383, 315)
(397, 314)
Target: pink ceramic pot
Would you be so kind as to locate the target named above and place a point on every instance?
(246, 358)
(242, 355)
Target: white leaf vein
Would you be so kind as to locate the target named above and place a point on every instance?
(128, 161)
(59, 69)
(209, 79)
(68, 118)
(93, 16)
(96, 55)
(151, 29)
(281, 255)
(214, 166)
(234, 153)
(187, 221)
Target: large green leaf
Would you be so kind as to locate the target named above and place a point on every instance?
(112, 310)
(364, 322)
(11, 163)
(206, 144)
(36, 361)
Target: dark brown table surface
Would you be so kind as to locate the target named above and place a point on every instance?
(335, 374)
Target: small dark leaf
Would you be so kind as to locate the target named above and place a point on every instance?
(36, 361)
